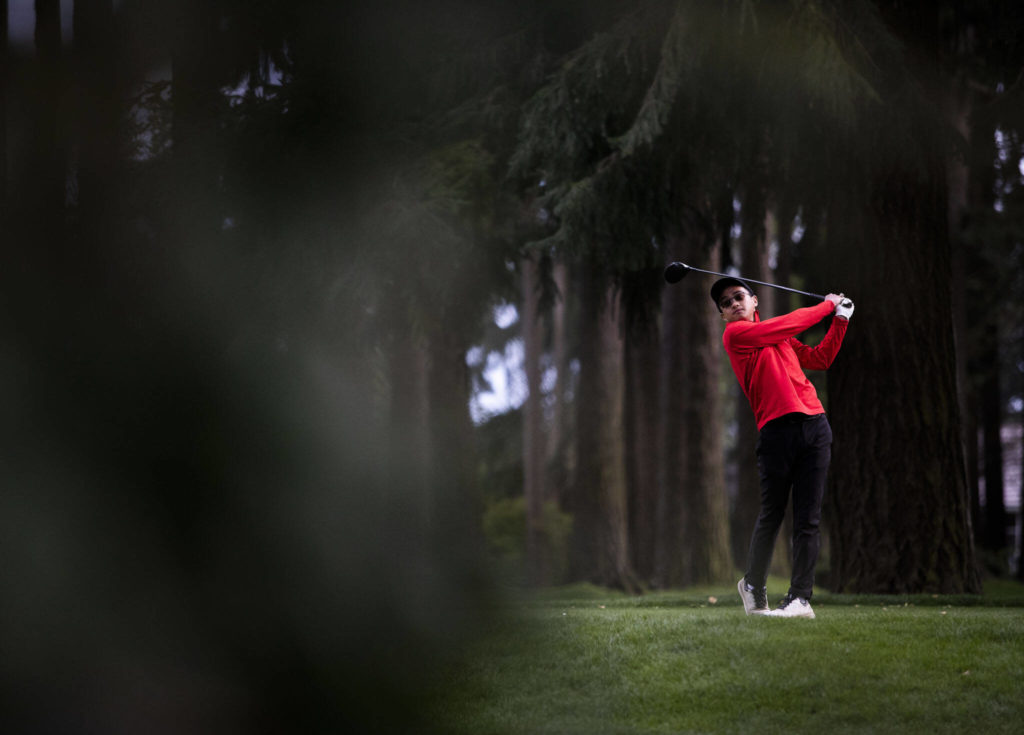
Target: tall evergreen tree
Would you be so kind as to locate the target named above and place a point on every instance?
(609, 206)
(981, 55)
(901, 523)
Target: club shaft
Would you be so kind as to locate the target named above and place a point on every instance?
(761, 283)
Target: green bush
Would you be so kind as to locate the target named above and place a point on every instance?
(504, 524)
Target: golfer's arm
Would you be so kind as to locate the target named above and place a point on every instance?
(777, 329)
(820, 357)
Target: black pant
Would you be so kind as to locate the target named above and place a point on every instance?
(793, 452)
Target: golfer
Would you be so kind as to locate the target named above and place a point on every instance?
(795, 443)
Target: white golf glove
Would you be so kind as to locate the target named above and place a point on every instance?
(844, 309)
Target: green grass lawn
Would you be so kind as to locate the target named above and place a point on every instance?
(584, 660)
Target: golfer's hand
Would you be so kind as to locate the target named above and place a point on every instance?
(844, 309)
(835, 298)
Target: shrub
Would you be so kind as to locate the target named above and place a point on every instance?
(504, 524)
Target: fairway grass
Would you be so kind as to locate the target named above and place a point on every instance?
(584, 660)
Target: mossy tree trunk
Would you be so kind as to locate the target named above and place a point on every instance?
(901, 515)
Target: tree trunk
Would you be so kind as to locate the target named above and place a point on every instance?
(958, 110)
(706, 534)
(785, 215)
(971, 195)
(901, 520)
(599, 546)
(560, 461)
(673, 429)
(982, 349)
(642, 400)
(537, 561)
(693, 527)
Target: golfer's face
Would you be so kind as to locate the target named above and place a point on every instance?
(737, 305)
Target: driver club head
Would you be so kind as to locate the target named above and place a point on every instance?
(676, 272)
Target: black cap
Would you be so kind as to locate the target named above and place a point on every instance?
(723, 283)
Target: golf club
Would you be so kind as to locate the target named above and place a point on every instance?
(677, 271)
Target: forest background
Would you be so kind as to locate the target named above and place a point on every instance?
(263, 259)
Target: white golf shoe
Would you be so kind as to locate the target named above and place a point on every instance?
(792, 607)
(755, 601)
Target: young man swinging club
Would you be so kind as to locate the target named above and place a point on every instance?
(795, 443)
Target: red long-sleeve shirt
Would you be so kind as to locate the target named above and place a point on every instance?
(768, 360)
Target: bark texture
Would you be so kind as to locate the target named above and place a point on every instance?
(900, 507)
(693, 534)
(643, 396)
(599, 544)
